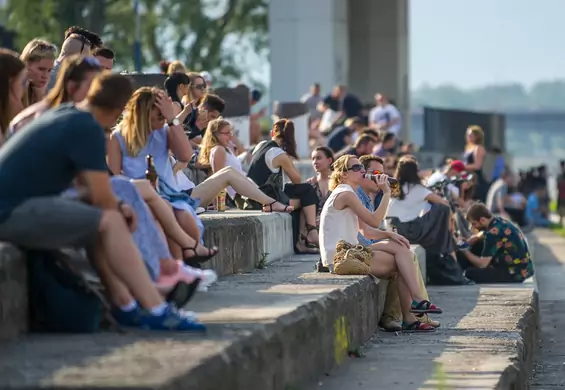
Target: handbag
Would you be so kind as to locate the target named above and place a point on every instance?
(444, 270)
(273, 188)
(352, 259)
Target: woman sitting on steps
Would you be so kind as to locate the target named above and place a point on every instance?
(339, 221)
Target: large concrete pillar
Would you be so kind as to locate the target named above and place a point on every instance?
(379, 52)
(309, 44)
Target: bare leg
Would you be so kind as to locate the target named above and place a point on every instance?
(118, 292)
(227, 176)
(179, 227)
(403, 262)
(300, 244)
(309, 215)
(405, 302)
(124, 261)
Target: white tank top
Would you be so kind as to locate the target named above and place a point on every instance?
(231, 161)
(336, 225)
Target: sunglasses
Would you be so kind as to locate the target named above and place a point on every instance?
(356, 168)
(201, 87)
(226, 132)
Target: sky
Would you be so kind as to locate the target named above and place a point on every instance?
(473, 43)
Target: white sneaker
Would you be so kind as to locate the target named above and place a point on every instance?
(207, 278)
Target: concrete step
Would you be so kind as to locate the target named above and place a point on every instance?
(488, 340)
(246, 239)
(269, 329)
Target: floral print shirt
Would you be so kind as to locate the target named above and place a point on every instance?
(506, 244)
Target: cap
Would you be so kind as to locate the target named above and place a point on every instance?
(457, 165)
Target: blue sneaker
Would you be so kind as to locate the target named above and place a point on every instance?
(171, 319)
(127, 318)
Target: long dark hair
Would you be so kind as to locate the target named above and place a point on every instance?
(172, 82)
(283, 130)
(407, 173)
(10, 68)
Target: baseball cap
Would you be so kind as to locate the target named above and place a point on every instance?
(457, 165)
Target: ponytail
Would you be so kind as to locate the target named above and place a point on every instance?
(283, 129)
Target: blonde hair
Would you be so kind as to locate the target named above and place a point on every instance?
(135, 127)
(210, 139)
(339, 166)
(479, 134)
(176, 67)
(36, 50)
(193, 76)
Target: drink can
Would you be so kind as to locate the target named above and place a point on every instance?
(221, 201)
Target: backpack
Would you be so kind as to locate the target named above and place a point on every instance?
(61, 298)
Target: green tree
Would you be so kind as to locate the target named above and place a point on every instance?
(208, 35)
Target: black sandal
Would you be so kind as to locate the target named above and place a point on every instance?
(196, 260)
(309, 245)
(182, 293)
(270, 206)
(417, 327)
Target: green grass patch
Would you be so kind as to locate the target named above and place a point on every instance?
(558, 229)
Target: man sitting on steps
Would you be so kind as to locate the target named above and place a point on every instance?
(41, 161)
(371, 196)
(499, 252)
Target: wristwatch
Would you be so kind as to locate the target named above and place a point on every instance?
(174, 122)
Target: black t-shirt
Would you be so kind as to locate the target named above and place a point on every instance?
(45, 156)
(350, 105)
(336, 139)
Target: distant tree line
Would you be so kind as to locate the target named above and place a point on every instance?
(542, 96)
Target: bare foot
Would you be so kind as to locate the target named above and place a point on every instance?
(302, 248)
(200, 251)
(277, 207)
(312, 237)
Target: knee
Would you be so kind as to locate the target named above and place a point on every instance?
(225, 170)
(144, 187)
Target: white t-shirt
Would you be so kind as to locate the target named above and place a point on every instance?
(270, 156)
(412, 206)
(384, 114)
(438, 177)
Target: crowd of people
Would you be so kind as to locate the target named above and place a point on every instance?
(78, 142)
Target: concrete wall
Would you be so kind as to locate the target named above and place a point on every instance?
(362, 43)
(308, 44)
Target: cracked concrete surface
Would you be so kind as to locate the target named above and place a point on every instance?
(549, 370)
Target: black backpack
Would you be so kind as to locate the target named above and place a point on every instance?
(62, 298)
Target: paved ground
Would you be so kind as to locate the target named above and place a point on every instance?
(478, 338)
(550, 269)
(260, 324)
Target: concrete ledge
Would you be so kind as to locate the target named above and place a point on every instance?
(516, 375)
(487, 341)
(247, 238)
(270, 329)
(13, 292)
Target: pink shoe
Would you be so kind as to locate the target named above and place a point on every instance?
(165, 283)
